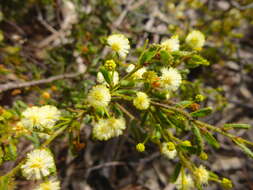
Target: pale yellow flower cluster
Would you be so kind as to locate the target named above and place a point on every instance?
(39, 164)
(195, 40)
(141, 101)
(171, 44)
(119, 43)
(105, 129)
(168, 150)
(170, 78)
(51, 184)
(99, 96)
(202, 174)
(41, 118)
(184, 181)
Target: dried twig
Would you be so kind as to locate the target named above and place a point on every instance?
(100, 166)
(238, 6)
(10, 86)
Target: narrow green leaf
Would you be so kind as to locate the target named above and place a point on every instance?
(148, 55)
(166, 58)
(196, 60)
(163, 117)
(237, 126)
(10, 152)
(189, 149)
(1, 156)
(4, 181)
(176, 172)
(199, 139)
(244, 148)
(202, 112)
(210, 139)
(126, 91)
(184, 104)
(107, 75)
(144, 118)
(127, 83)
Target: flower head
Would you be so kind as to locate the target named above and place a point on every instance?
(40, 118)
(119, 43)
(171, 44)
(202, 174)
(52, 184)
(105, 129)
(39, 164)
(168, 149)
(99, 96)
(171, 78)
(195, 40)
(184, 182)
(142, 101)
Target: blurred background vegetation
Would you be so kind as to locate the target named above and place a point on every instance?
(41, 39)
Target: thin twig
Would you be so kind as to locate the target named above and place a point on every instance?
(100, 166)
(125, 111)
(238, 6)
(10, 86)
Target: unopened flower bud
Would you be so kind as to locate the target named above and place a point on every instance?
(46, 95)
(186, 143)
(226, 183)
(171, 146)
(199, 98)
(203, 156)
(110, 65)
(140, 147)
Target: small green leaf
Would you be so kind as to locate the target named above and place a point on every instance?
(126, 83)
(189, 149)
(199, 139)
(148, 55)
(10, 152)
(144, 118)
(1, 156)
(237, 126)
(107, 75)
(244, 148)
(163, 117)
(4, 181)
(202, 112)
(184, 104)
(166, 58)
(176, 172)
(210, 139)
(126, 92)
(196, 60)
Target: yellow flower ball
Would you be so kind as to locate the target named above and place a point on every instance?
(99, 96)
(119, 43)
(140, 147)
(195, 40)
(142, 101)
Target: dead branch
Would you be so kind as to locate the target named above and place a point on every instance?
(11, 85)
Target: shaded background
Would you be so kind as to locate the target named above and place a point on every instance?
(45, 38)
